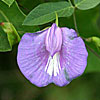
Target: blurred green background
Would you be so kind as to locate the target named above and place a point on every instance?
(14, 86)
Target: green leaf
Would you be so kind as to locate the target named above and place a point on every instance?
(14, 15)
(8, 2)
(45, 13)
(96, 40)
(4, 43)
(10, 38)
(12, 34)
(86, 4)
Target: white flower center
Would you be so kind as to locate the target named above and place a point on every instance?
(53, 65)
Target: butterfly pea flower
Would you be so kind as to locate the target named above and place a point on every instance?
(54, 55)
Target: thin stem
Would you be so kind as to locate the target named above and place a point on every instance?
(85, 39)
(4, 16)
(70, 2)
(75, 24)
(56, 18)
(93, 51)
(26, 9)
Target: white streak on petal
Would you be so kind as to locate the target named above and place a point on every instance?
(50, 67)
(53, 65)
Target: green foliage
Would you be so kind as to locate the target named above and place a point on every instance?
(8, 2)
(96, 40)
(11, 32)
(4, 43)
(14, 17)
(86, 4)
(87, 22)
(8, 36)
(46, 12)
(27, 5)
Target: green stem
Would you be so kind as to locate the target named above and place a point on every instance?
(56, 19)
(93, 51)
(4, 16)
(70, 2)
(75, 23)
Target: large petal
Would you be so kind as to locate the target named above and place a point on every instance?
(32, 58)
(73, 54)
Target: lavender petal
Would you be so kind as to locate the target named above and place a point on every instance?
(32, 58)
(73, 54)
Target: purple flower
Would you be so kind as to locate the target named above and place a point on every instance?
(55, 55)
